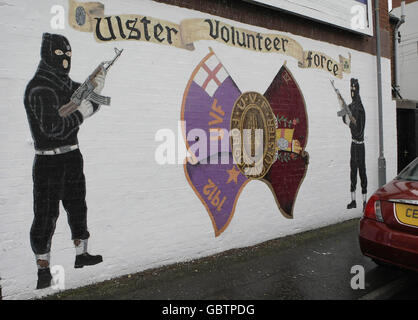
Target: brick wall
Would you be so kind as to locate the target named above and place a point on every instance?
(383, 14)
(397, 3)
(392, 56)
(277, 20)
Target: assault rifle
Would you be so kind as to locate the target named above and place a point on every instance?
(86, 90)
(345, 110)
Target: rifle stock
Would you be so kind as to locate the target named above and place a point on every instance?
(67, 109)
(352, 119)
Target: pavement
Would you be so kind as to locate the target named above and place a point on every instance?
(314, 265)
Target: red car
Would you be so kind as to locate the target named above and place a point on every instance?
(389, 227)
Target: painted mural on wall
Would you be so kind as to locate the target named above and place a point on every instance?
(213, 106)
(354, 116)
(232, 137)
(56, 106)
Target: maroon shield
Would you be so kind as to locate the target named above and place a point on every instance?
(287, 173)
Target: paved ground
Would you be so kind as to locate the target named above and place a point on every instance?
(310, 265)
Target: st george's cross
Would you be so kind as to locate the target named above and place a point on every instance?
(216, 113)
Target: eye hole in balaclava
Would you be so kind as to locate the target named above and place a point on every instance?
(56, 52)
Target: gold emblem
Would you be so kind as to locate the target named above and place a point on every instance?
(253, 135)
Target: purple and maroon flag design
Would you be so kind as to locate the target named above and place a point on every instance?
(207, 106)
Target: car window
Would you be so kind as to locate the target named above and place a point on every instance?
(410, 172)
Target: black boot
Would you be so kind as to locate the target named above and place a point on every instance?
(86, 259)
(352, 205)
(44, 278)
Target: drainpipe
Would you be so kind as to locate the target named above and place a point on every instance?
(381, 160)
(396, 41)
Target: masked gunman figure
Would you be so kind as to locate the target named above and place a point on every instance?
(356, 122)
(58, 164)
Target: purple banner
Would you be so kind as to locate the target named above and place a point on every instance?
(207, 106)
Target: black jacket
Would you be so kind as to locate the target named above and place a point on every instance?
(48, 91)
(357, 130)
(44, 95)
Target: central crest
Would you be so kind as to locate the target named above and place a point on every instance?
(253, 135)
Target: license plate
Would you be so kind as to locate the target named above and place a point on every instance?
(407, 214)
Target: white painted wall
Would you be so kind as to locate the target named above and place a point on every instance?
(143, 215)
(408, 51)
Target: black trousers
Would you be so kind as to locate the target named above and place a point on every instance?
(358, 163)
(55, 178)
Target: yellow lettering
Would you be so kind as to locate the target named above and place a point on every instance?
(218, 118)
(215, 201)
(208, 187)
(220, 205)
(213, 193)
(217, 108)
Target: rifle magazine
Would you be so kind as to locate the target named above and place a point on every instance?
(99, 99)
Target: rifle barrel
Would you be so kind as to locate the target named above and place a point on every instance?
(118, 53)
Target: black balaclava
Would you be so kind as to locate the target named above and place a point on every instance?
(56, 53)
(355, 89)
